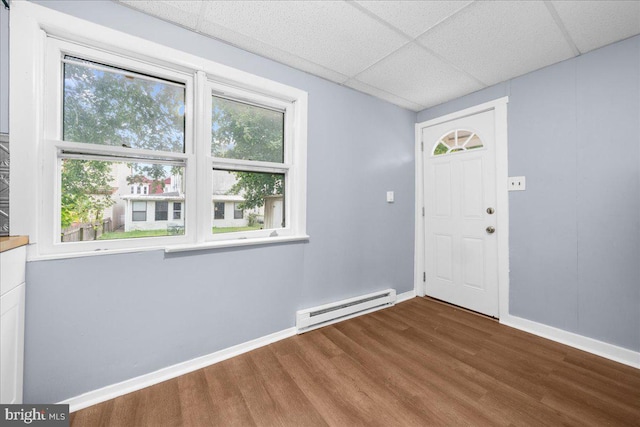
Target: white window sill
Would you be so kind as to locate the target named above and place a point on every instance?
(33, 256)
(235, 243)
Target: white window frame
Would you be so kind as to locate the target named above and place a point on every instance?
(40, 38)
(286, 167)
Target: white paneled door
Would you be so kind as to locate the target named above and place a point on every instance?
(461, 249)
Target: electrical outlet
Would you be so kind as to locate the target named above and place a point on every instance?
(517, 183)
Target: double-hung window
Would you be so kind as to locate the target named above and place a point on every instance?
(251, 161)
(112, 122)
(147, 145)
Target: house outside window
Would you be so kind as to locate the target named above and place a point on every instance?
(177, 210)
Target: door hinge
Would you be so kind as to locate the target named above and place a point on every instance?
(421, 145)
(424, 276)
(423, 211)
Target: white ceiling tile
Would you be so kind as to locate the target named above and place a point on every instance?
(492, 41)
(415, 75)
(184, 12)
(378, 93)
(268, 51)
(329, 33)
(593, 24)
(413, 17)
(496, 41)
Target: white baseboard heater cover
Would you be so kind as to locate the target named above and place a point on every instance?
(316, 317)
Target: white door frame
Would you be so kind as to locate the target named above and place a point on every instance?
(502, 197)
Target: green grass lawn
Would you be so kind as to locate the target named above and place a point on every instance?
(163, 232)
(218, 230)
(133, 234)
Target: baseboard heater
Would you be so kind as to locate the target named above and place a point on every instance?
(316, 317)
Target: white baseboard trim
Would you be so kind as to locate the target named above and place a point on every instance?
(405, 296)
(603, 349)
(119, 389)
(112, 391)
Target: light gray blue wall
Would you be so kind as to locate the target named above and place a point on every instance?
(95, 321)
(4, 69)
(574, 132)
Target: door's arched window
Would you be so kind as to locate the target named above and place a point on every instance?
(456, 141)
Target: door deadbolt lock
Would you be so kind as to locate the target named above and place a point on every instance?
(491, 230)
(490, 211)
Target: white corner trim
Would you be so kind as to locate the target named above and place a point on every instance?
(418, 243)
(405, 296)
(599, 348)
(119, 389)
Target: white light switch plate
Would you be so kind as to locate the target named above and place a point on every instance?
(389, 196)
(517, 183)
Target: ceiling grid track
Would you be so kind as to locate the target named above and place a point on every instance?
(415, 54)
(562, 27)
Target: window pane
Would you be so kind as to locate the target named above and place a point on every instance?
(177, 210)
(139, 216)
(457, 141)
(259, 196)
(246, 132)
(162, 209)
(96, 202)
(109, 106)
(238, 212)
(218, 210)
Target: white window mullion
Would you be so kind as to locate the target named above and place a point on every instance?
(203, 154)
(298, 153)
(49, 188)
(189, 209)
(290, 195)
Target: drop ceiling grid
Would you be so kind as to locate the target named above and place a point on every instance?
(413, 18)
(426, 16)
(327, 35)
(596, 24)
(459, 46)
(383, 94)
(404, 74)
(271, 52)
(179, 12)
(495, 41)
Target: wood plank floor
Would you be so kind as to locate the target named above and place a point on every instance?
(418, 363)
